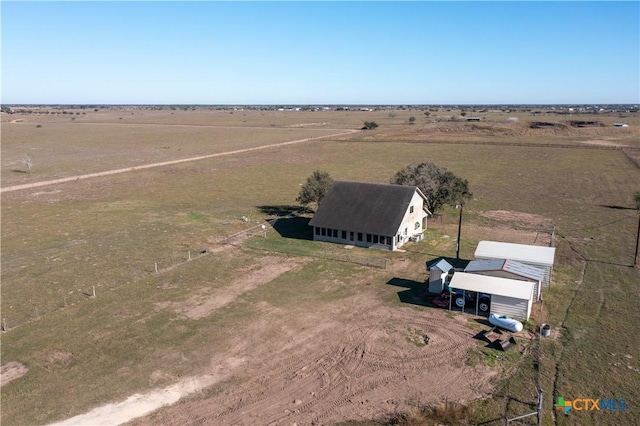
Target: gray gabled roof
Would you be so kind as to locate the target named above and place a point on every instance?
(441, 264)
(371, 208)
(508, 265)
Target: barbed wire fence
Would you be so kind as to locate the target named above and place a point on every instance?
(83, 294)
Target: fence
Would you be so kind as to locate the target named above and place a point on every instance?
(18, 317)
(323, 253)
(238, 237)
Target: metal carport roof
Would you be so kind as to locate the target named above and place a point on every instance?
(520, 252)
(492, 285)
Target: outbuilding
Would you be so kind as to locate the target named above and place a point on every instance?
(438, 273)
(371, 215)
(508, 268)
(508, 297)
(537, 256)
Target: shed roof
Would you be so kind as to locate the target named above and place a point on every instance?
(492, 285)
(508, 265)
(520, 252)
(365, 207)
(441, 264)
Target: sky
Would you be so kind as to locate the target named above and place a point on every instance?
(328, 52)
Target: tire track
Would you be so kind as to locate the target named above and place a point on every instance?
(366, 360)
(166, 163)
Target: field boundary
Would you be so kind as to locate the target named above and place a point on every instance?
(517, 144)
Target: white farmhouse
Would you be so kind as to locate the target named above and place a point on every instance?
(371, 215)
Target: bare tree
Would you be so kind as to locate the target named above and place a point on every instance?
(28, 162)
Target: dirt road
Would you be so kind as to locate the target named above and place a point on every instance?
(165, 163)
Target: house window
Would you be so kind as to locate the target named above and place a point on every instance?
(359, 236)
(324, 232)
(382, 237)
(351, 235)
(317, 230)
(417, 225)
(411, 209)
(344, 235)
(368, 238)
(388, 241)
(375, 239)
(335, 233)
(406, 231)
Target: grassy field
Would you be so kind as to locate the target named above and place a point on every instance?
(59, 242)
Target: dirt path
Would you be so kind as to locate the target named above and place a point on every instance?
(165, 163)
(141, 404)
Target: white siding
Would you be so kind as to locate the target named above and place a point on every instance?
(436, 280)
(410, 219)
(519, 309)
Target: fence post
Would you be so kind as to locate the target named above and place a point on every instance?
(156, 265)
(93, 292)
(4, 324)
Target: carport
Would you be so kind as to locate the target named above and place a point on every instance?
(508, 297)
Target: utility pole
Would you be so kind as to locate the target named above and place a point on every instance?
(459, 231)
(636, 198)
(635, 258)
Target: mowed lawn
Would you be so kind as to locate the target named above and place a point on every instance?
(59, 242)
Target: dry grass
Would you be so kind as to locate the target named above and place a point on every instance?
(59, 241)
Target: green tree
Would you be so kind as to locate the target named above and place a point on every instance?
(370, 125)
(412, 119)
(438, 184)
(315, 188)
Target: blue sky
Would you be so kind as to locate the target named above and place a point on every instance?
(320, 52)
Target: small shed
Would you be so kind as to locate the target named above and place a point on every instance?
(508, 297)
(507, 268)
(438, 272)
(537, 256)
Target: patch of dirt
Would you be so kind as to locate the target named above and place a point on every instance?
(54, 358)
(202, 304)
(11, 370)
(362, 361)
(519, 217)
